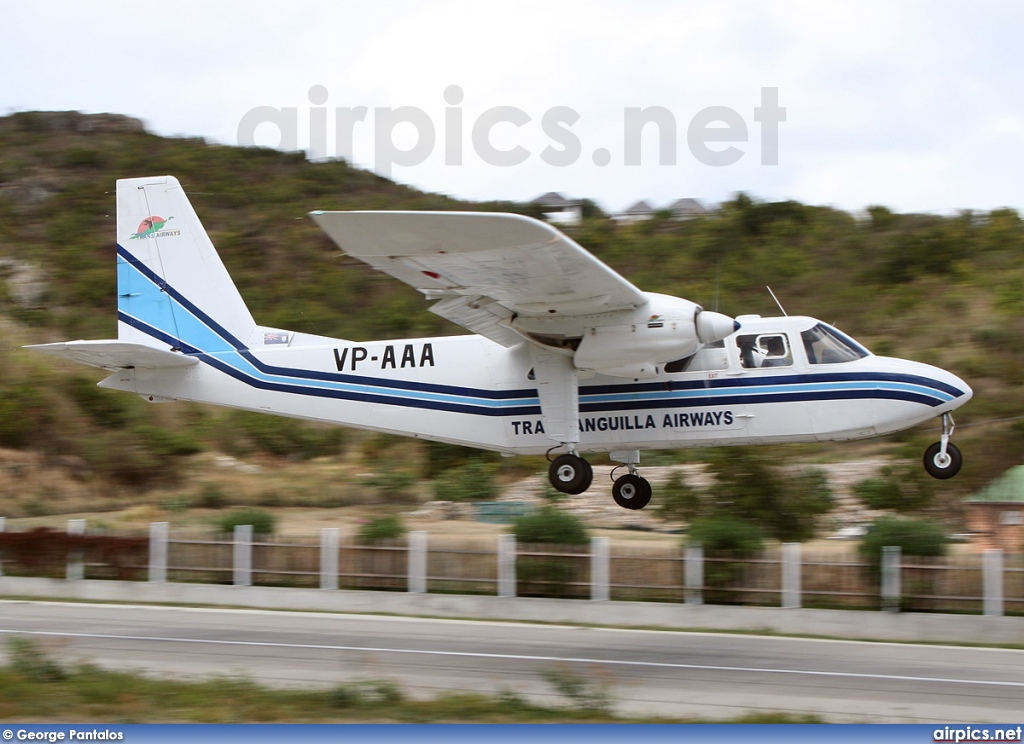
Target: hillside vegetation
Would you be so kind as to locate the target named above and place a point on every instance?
(948, 290)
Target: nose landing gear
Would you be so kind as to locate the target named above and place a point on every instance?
(942, 459)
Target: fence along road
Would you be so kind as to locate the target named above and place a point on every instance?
(647, 672)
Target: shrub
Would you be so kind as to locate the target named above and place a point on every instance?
(917, 537)
(585, 694)
(726, 536)
(211, 498)
(393, 486)
(370, 692)
(383, 528)
(550, 525)
(723, 538)
(540, 575)
(678, 500)
(31, 662)
(263, 523)
(473, 481)
(902, 490)
(166, 442)
(241, 433)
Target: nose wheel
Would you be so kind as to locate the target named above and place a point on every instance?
(942, 459)
(942, 465)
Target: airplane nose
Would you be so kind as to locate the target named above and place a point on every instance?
(947, 383)
(712, 326)
(968, 393)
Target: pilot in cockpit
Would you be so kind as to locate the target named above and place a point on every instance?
(763, 351)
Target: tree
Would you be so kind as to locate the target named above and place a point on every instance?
(785, 506)
(918, 537)
(678, 500)
(904, 489)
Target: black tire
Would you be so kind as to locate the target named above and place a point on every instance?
(570, 474)
(631, 492)
(936, 467)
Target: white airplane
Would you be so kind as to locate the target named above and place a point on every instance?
(567, 356)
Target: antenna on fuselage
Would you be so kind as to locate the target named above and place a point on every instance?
(776, 300)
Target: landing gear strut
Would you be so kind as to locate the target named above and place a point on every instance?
(942, 459)
(570, 474)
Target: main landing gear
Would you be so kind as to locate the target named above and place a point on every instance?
(630, 491)
(570, 473)
(943, 459)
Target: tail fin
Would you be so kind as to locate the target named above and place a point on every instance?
(171, 285)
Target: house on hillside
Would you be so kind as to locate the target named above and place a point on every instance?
(995, 514)
(560, 210)
(637, 213)
(686, 209)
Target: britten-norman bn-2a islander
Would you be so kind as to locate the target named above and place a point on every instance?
(566, 356)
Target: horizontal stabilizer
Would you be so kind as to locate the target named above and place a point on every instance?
(114, 355)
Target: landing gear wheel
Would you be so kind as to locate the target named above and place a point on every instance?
(570, 474)
(942, 467)
(631, 492)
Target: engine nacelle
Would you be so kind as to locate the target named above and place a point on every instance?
(675, 328)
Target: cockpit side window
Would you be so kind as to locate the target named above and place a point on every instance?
(708, 358)
(826, 345)
(764, 350)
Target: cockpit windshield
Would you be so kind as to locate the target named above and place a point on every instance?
(826, 345)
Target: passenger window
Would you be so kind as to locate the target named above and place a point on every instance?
(764, 350)
(709, 358)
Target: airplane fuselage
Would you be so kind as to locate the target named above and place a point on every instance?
(469, 390)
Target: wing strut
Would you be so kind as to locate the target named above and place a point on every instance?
(558, 388)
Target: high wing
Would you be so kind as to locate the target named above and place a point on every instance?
(484, 267)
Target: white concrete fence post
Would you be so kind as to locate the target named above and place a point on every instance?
(993, 582)
(329, 541)
(158, 536)
(891, 590)
(791, 590)
(693, 570)
(418, 562)
(600, 569)
(242, 555)
(76, 564)
(506, 565)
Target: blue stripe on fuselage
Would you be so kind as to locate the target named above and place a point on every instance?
(175, 320)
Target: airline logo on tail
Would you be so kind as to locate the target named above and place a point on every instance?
(153, 227)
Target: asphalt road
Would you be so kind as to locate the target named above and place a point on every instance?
(671, 673)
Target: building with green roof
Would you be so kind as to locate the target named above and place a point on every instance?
(995, 514)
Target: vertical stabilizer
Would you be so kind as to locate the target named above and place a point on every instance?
(172, 288)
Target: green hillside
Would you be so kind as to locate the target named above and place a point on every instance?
(948, 290)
